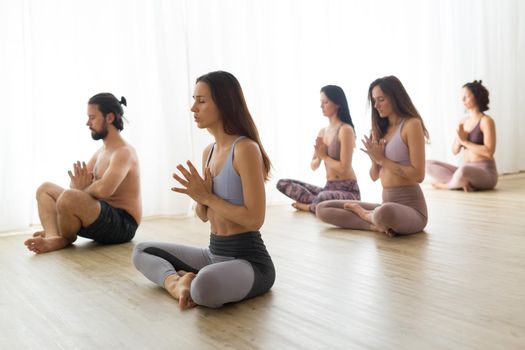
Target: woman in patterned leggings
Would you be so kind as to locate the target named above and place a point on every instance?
(334, 146)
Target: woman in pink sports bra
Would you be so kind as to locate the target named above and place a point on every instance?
(334, 147)
(476, 134)
(396, 148)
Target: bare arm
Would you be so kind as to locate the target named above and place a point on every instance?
(375, 169)
(118, 168)
(415, 140)
(375, 149)
(202, 210)
(316, 160)
(489, 139)
(457, 146)
(93, 161)
(347, 139)
(249, 165)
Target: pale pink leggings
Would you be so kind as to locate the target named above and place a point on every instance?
(404, 211)
(478, 175)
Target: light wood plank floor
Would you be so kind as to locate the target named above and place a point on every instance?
(460, 285)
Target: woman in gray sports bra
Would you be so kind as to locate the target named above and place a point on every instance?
(334, 146)
(476, 134)
(231, 195)
(397, 150)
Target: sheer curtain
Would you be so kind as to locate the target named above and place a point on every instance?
(54, 55)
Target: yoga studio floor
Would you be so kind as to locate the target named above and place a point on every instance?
(459, 285)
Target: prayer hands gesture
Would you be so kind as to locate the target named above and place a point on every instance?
(462, 134)
(80, 176)
(196, 187)
(374, 148)
(321, 150)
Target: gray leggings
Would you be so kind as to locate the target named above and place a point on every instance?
(219, 279)
(404, 211)
(478, 175)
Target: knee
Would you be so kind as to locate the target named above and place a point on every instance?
(323, 196)
(205, 290)
(321, 211)
(461, 175)
(67, 200)
(137, 253)
(383, 215)
(43, 189)
(281, 184)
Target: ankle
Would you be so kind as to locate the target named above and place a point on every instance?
(170, 280)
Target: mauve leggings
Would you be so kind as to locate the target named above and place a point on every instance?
(403, 211)
(478, 175)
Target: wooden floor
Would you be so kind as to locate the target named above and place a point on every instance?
(460, 285)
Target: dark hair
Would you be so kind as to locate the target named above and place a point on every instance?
(108, 103)
(337, 96)
(227, 94)
(481, 94)
(400, 100)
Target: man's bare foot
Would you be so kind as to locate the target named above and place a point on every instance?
(41, 245)
(358, 210)
(301, 206)
(440, 186)
(39, 234)
(179, 288)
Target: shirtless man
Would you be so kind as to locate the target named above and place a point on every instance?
(103, 202)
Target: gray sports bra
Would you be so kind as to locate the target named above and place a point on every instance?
(227, 183)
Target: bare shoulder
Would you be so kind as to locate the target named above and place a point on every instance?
(412, 129)
(487, 120)
(124, 153)
(247, 148)
(413, 124)
(347, 130)
(207, 150)
(321, 132)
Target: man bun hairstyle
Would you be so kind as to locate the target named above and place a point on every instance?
(108, 103)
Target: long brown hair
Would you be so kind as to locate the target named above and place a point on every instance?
(227, 94)
(401, 103)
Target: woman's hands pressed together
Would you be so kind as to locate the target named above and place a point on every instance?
(195, 186)
(374, 148)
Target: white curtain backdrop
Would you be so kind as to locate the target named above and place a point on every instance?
(55, 54)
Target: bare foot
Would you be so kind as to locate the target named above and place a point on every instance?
(387, 231)
(39, 234)
(301, 206)
(358, 210)
(468, 188)
(41, 245)
(440, 186)
(179, 288)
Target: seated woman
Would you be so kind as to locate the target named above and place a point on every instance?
(476, 134)
(397, 150)
(335, 146)
(231, 195)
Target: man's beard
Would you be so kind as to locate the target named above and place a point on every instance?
(100, 134)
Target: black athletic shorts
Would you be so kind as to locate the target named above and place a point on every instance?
(113, 225)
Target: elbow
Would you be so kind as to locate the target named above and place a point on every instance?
(100, 193)
(420, 177)
(255, 224)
